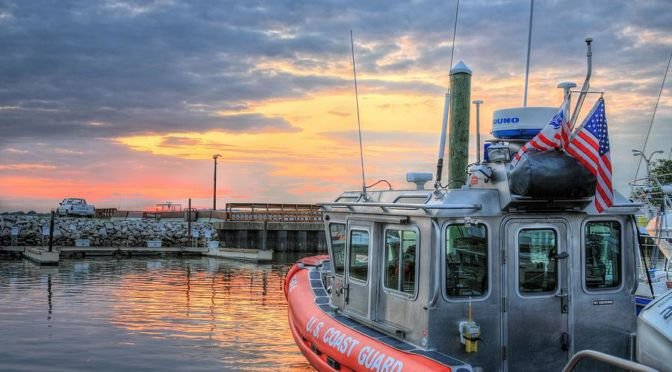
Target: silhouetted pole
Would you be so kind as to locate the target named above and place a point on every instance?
(214, 189)
(189, 220)
(51, 231)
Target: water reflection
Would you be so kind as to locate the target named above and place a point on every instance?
(190, 314)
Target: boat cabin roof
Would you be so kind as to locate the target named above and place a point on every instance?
(490, 198)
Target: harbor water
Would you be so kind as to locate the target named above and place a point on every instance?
(105, 314)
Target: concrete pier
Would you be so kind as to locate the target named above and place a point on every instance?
(254, 255)
(41, 255)
(270, 235)
(247, 231)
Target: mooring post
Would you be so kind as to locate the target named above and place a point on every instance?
(264, 236)
(189, 220)
(51, 231)
(460, 98)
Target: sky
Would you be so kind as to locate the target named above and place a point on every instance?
(125, 103)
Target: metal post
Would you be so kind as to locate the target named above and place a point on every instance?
(566, 88)
(647, 160)
(51, 231)
(586, 85)
(478, 103)
(214, 188)
(442, 143)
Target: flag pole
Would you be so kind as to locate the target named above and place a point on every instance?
(585, 120)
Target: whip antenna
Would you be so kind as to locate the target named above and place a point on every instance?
(359, 124)
(529, 46)
(446, 109)
(653, 117)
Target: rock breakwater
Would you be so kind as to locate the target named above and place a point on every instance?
(28, 231)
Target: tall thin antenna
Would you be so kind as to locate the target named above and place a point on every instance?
(359, 124)
(653, 117)
(586, 85)
(446, 108)
(452, 49)
(529, 46)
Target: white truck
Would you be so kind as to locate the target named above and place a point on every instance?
(75, 207)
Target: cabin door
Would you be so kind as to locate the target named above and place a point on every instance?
(535, 283)
(358, 268)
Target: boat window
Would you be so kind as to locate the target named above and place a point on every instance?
(337, 236)
(400, 255)
(537, 266)
(359, 254)
(466, 260)
(603, 254)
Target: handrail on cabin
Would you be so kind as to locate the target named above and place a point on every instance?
(383, 206)
(608, 359)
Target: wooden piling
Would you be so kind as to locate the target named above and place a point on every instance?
(460, 98)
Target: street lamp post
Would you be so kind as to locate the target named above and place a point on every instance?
(478, 103)
(647, 160)
(214, 188)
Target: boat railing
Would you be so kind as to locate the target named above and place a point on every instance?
(427, 208)
(611, 360)
(650, 189)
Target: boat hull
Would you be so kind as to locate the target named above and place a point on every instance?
(331, 341)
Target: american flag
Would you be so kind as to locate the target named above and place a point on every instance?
(553, 136)
(590, 146)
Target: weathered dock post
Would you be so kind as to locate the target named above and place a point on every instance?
(51, 231)
(38, 255)
(460, 98)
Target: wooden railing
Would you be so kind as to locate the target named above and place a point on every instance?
(105, 212)
(273, 212)
(232, 212)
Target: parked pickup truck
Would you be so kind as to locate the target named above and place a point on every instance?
(75, 207)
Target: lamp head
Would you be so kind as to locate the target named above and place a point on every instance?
(216, 156)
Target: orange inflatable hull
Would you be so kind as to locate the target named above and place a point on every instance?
(331, 345)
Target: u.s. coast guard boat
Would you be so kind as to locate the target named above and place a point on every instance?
(505, 271)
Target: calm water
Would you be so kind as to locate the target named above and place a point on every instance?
(145, 314)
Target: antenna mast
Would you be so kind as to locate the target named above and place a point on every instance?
(653, 117)
(586, 85)
(529, 45)
(446, 106)
(359, 125)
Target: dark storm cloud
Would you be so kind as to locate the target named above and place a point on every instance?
(113, 68)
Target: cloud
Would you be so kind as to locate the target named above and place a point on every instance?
(78, 75)
(25, 166)
(390, 138)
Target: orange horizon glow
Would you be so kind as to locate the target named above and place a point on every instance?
(314, 162)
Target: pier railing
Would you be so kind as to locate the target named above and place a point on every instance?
(105, 212)
(232, 212)
(273, 212)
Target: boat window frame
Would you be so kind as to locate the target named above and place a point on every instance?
(405, 295)
(621, 285)
(516, 257)
(345, 227)
(349, 252)
(444, 271)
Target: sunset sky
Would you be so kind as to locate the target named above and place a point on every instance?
(125, 102)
